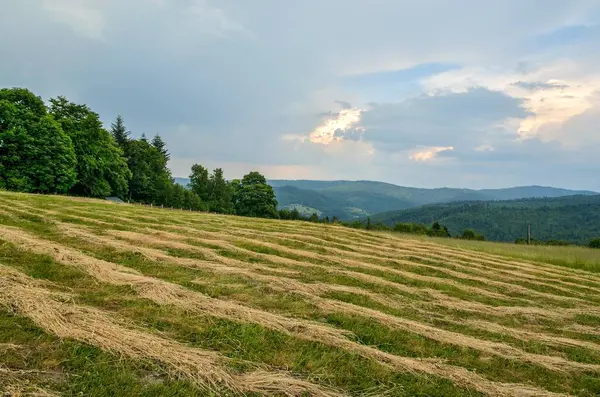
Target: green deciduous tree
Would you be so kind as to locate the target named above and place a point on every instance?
(220, 193)
(470, 234)
(35, 153)
(101, 168)
(200, 182)
(252, 196)
(595, 243)
(151, 180)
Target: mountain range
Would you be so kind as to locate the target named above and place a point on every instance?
(358, 199)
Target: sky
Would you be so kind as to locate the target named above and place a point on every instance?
(426, 93)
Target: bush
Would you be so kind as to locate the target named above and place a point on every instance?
(558, 243)
(595, 243)
(411, 228)
(470, 234)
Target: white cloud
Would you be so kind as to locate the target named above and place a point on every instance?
(430, 153)
(484, 148)
(335, 127)
(552, 94)
(84, 17)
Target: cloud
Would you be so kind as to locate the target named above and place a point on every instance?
(338, 127)
(484, 148)
(538, 85)
(458, 119)
(430, 153)
(253, 84)
(85, 18)
(549, 100)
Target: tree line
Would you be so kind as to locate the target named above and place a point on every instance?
(62, 148)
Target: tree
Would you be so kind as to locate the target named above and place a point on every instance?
(470, 234)
(159, 144)
(595, 243)
(200, 182)
(119, 132)
(252, 196)
(220, 194)
(151, 180)
(192, 201)
(295, 214)
(446, 232)
(284, 214)
(35, 153)
(101, 168)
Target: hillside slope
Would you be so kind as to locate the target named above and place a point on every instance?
(356, 199)
(107, 299)
(573, 218)
(352, 199)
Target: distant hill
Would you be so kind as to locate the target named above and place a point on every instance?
(356, 199)
(571, 218)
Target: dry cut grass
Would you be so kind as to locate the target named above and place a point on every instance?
(397, 313)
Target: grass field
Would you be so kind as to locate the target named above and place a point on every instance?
(568, 256)
(106, 299)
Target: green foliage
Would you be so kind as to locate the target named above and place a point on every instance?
(595, 243)
(151, 180)
(161, 146)
(293, 214)
(220, 193)
(252, 196)
(351, 199)
(436, 229)
(200, 182)
(101, 168)
(572, 219)
(469, 234)
(119, 132)
(213, 190)
(35, 153)
(559, 243)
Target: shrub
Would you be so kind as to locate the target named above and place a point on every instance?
(470, 234)
(595, 243)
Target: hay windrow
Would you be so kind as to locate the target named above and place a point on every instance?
(165, 293)
(553, 363)
(23, 295)
(444, 285)
(313, 290)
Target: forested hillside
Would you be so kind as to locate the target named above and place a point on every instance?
(575, 219)
(355, 199)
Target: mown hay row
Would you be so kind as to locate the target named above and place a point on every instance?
(165, 293)
(440, 299)
(204, 368)
(440, 335)
(253, 271)
(361, 253)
